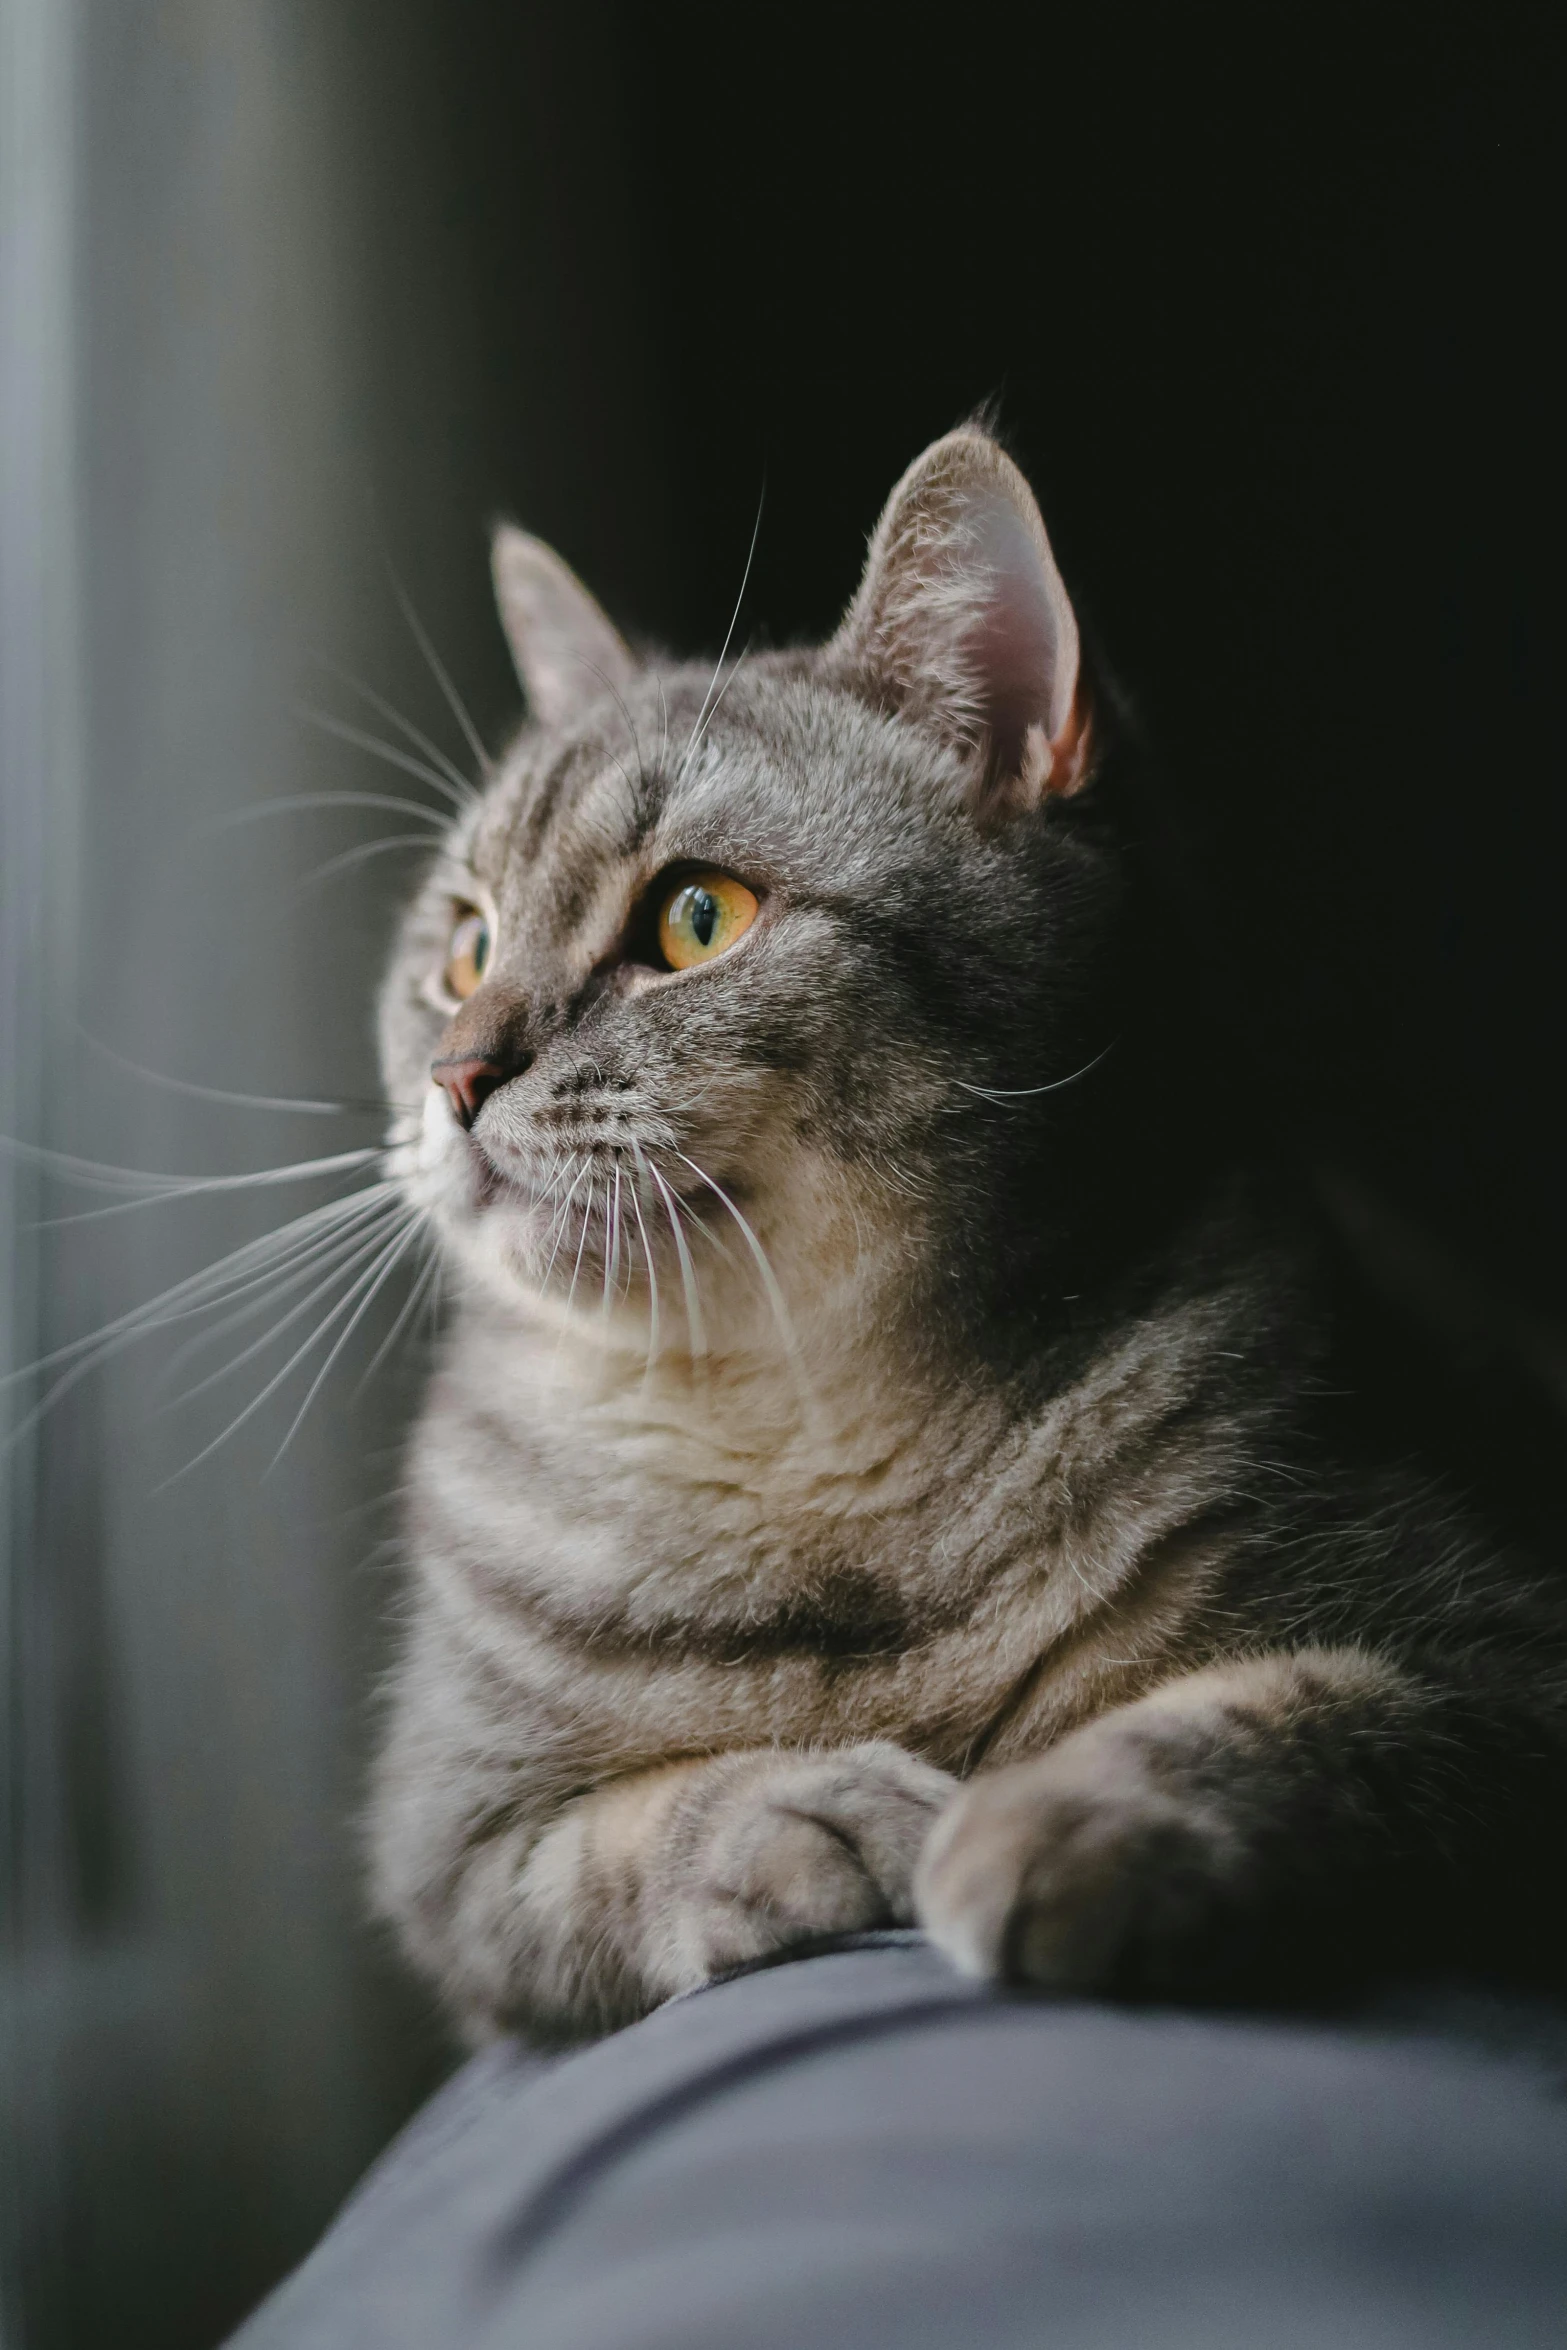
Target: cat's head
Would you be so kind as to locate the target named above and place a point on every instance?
(787, 985)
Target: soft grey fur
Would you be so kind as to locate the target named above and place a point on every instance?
(815, 1430)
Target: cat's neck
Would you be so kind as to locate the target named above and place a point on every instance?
(834, 1394)
(812, 1403)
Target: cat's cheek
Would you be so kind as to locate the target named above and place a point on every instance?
(1083, 1879)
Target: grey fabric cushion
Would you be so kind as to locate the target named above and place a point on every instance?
(858, 2151)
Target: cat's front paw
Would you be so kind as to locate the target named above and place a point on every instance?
(781, 1849)
(1088, 1870)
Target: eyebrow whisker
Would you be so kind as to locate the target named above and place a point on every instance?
(347, 859)
(718, 668)
(360, 739)
(1017, 1093)
(463, 792)
(293, 803)
(437, 668)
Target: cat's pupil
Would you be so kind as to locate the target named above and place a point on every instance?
(481, 946)
(704, 916)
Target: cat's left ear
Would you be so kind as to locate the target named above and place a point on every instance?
(566, 650)
(963, 621)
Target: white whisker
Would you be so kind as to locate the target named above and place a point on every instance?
(612, 1253)
(304, 1244)
(718, 669)
(184, 1187)
(610, 1265)
(652, 1282)
(454, 700)
(699, 1224)
(624, 1236)
(691, 1101)
(388, 753)
(429, 1274)
(693, 747)
(347, 859)
(461, 784)
(197, 1291)
(1017, 1093)
(221, 1094)
(775, 1296)
(275, 1382)
(435, 1294)
(294, 803)
(562, 1219)
(232, 1276)
(610, 688)
(442, 773)
(96, 1175)
(337, 1257)
(687, 1269)
(587, 1218)
(377, 1277)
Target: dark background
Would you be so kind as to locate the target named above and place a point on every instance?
(1268, 301)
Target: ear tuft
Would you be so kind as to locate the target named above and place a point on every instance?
(566, 651)
(963, 621)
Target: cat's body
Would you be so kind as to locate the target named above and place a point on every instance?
(870, 1371)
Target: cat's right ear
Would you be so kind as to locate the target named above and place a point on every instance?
(566, 651)
(962, 621)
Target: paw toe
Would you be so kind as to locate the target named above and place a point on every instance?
(1046, 1886)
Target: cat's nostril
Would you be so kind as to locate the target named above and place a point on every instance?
(469, 1080)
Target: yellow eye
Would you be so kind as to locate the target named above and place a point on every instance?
(467, 955)
(702, 918)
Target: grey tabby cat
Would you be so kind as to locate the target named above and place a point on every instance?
(886, 1463)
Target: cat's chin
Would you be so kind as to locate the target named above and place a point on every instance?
(552, 1245)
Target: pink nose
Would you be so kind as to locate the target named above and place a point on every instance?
(469, 1084)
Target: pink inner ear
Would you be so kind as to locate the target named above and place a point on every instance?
(1023, 641)
(962, 618)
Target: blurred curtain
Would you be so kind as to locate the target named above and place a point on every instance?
(247, 394)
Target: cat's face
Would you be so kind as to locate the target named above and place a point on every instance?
(709, 993)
